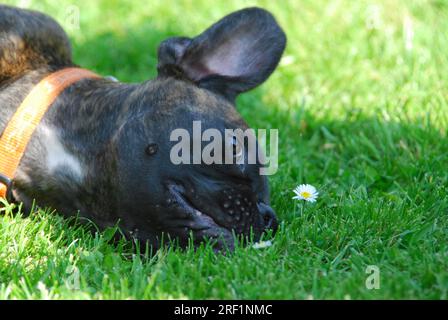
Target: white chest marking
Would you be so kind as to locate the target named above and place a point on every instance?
(58, 156)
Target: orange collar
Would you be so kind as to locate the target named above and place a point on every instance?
(20, 128)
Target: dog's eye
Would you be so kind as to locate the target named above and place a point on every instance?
(151, 149)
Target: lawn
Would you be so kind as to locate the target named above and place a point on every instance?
(361, 103)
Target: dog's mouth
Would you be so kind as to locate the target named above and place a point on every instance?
(192, 220)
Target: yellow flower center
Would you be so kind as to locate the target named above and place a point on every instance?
(306, 194)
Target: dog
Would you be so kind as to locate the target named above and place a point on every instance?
(102, 150)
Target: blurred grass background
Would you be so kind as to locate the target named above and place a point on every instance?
(360, 101)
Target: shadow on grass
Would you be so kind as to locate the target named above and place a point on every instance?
(130, 55)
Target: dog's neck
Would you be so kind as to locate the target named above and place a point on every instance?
(70, 105)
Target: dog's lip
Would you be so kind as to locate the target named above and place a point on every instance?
(204, 221)
(178, 194)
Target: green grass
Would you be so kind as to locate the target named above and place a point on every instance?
(360, 101)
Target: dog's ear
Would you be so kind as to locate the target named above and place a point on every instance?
(232, 56)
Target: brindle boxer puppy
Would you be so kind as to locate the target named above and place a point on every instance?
(103, 148)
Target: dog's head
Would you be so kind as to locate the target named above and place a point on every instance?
(198, 80)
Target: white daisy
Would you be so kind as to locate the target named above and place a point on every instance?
(306, 192)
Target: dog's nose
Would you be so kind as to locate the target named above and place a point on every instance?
(269, 217)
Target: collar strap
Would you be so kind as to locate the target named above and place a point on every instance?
(27, 117)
